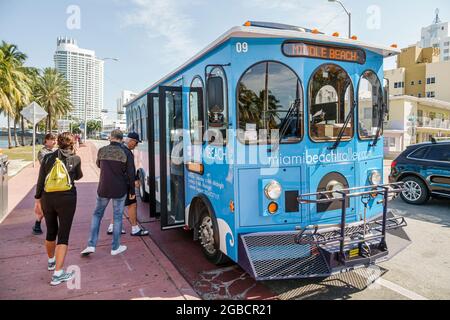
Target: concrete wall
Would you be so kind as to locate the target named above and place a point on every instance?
(395, 76)
(441, 71)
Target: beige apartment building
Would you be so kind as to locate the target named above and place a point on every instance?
(420, 99)
(413, 120)
(420, 73)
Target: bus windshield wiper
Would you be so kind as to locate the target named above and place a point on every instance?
(341, 133)
(377, 135)
(294, 109)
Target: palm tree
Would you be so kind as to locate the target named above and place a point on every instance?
(94, 126)
(14, 88)
(53, 94)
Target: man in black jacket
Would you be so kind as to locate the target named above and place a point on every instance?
(131, 142)
(116, 176)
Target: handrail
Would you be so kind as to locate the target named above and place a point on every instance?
(375, 190)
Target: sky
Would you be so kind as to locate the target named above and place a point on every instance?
(153, 37)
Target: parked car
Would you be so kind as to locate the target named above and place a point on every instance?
(425, 170)
(104, 136)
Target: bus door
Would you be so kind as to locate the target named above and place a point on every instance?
(153, 155)
(171, 157)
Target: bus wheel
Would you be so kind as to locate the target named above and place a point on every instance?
(142, 194)
(210, 246)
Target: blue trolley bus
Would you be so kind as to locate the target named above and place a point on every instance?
(268, 144)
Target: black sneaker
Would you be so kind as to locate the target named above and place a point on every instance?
(140, 233)
(37, 228)
(65, 276)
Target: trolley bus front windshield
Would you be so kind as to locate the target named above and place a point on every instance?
(330, 104)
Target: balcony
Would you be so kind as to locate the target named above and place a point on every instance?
(433, 123)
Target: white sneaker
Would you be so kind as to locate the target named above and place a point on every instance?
(88, 251)
(118, 250)
(111, 229)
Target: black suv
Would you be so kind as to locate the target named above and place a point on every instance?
(425, 170)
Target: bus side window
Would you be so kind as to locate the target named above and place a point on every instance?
(217, 106)
(196, 111)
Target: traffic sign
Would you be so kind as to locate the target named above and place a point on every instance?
(34, 113)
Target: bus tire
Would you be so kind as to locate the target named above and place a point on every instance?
(208, 236)
(145, 197)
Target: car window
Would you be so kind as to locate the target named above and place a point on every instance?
(439, 153)
(419, 153)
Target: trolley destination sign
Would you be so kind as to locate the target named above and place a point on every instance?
(310, 50)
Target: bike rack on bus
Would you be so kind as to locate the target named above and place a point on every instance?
(356, 233)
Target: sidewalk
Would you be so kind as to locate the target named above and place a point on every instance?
(142, 272)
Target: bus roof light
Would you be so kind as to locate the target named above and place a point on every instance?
(354, 37)
(315, 31)
(336, 34)
(248, 24)
(394, 46)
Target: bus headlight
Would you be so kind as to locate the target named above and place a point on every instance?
(375, 177)
(334, 185)
(273, 190)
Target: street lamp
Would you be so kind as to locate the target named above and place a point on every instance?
(349, 17)
(85, 95)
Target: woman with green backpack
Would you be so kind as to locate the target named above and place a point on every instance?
(56, 197)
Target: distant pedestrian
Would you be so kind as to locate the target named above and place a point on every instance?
(56, 197)
(49, 147)
(131, 142)
(116, 175)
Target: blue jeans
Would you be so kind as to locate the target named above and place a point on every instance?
(118, 208)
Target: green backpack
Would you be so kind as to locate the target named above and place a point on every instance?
(58, 178)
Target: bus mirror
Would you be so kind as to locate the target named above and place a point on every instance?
(386, 98)
(215, 94)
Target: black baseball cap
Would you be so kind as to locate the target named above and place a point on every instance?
(134, 135)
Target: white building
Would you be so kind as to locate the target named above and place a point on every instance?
(437, 35)
(413, 120)
(109, 126)
(125, 97)
(85, 74)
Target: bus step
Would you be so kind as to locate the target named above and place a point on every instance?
(363, 254)
(274, 256)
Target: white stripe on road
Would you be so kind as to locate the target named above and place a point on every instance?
(400, 290)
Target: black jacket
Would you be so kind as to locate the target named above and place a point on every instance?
(70, 160)
(117, 173)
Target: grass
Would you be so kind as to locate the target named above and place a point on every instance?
(21, 153)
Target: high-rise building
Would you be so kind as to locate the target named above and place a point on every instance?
(437, 35)
(125, 97)
(84, 71)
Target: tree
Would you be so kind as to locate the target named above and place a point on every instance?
(93, 127)
(52, 92)
(14, 83)
(76, 128)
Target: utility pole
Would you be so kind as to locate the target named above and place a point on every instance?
(349, 17)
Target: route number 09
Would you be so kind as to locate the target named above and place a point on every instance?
(241, 47)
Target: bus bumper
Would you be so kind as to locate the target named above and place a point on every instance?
(321, 251)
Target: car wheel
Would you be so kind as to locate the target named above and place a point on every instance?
(416, 192)
(210, 246)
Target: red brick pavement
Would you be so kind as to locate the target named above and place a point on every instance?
(142, 272)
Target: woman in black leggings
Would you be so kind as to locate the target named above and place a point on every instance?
(58, 207)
